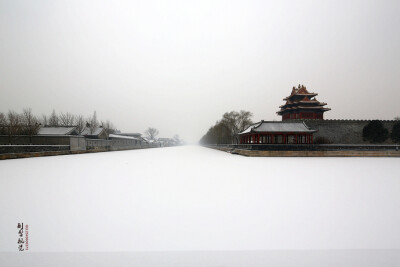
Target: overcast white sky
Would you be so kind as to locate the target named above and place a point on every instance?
(179, 65)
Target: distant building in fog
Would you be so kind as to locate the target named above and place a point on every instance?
(166, 141)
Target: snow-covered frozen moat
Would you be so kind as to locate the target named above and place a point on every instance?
(194, 198)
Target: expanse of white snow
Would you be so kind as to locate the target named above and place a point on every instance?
(198, 199)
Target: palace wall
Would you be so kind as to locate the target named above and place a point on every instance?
(75, 143)
(343, 131)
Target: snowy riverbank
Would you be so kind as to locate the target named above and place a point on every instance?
(194, 198)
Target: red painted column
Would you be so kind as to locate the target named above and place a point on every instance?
(272, 139)
(312, 139)
(295, 141)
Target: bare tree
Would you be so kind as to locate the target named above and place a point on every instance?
(151, 133)
(80, 123)
(14, 125)
(177, 140)
(66, 119)
(44, 120)
(237, 122)
(225, 131)
(3, 123)
(53, 120)
(109, 127)
(94, 123)
(30, 123)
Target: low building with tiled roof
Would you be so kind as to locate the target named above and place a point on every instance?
(273, 132)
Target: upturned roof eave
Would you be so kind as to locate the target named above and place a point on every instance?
(301, 94)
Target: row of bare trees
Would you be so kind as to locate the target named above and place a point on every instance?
(26, 123)
(13, 124)
(225, 131)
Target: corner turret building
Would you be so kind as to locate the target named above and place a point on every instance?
(302, 104)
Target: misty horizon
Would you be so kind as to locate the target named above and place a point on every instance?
(179, 66)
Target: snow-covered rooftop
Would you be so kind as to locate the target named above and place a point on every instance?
(148, 140)
(164, 139)
(95, 131)
(276, 127)
(129, 134)
(56, 130)
(122, 136)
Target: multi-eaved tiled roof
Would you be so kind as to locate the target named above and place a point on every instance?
(300, 98)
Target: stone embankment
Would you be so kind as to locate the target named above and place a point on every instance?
(317, 151)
